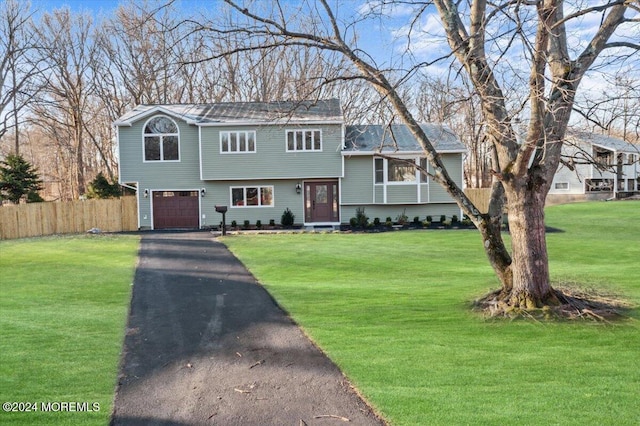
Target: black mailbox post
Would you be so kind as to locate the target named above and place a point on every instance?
(223, 210)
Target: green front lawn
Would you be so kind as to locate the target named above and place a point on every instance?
(392, 310)
(63, 308)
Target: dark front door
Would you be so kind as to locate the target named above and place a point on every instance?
(321, 201)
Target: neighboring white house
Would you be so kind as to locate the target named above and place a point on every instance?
(596, 167)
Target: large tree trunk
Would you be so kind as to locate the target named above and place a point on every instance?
(524, 270)
(531, 284)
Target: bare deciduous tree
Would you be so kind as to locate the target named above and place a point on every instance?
(18, 66)
(480, 36)
(454, 103)
(61, 107)
(614, 111)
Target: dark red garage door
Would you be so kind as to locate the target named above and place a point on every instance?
(175, 209)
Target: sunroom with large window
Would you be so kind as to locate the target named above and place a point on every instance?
(400, 180)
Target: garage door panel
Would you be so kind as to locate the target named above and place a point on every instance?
(175, 209)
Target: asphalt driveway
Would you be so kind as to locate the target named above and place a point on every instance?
(206, 345)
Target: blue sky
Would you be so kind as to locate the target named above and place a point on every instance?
(94, 6)
(376, 37)
(371, 38)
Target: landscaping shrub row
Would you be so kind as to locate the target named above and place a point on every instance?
(286, 221)
(361, 222)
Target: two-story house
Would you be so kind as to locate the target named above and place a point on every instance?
(595, 167)
(259, 159)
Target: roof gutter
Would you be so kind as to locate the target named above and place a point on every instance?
(282, 123)
(400, 153)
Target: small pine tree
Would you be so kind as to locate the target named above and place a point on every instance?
(100, 187)
(18, 178)
(287, 218)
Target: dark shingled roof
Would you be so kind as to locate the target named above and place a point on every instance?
(242, 112)
(398, 138)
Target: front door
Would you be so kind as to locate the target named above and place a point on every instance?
(321, 202)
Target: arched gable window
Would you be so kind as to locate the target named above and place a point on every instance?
(161, 140)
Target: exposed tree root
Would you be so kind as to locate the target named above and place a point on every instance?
(568, 302)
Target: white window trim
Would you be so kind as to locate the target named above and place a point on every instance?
(385, 173)
(244, 191)
(160, 135)
(237, 133)
(286, 140)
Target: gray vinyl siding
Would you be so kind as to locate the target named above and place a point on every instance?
(144, 211)
(398, 194)
(271, 159)
(574, 178)
(564, 175)
(357, 185)
(183, 173)
(219, 193)
(424, 193)
(378, 194)
(453, 164)
(437, 194)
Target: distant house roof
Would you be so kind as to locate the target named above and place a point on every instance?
(328, 110)
(398, 138)
(603, 141)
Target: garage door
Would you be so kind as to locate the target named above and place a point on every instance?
(175, 209)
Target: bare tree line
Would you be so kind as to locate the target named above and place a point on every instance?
(67, 76)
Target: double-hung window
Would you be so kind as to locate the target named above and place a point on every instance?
(252, 196)
(238, 141)
(304, 140)
(161, 140)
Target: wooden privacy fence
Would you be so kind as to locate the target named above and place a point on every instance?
(480, 197)
(36, 219)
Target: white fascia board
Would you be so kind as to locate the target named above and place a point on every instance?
(606, 148)
(269, 178)
(400, 153)
(154, 110)
(625, 151)
(283, 123)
